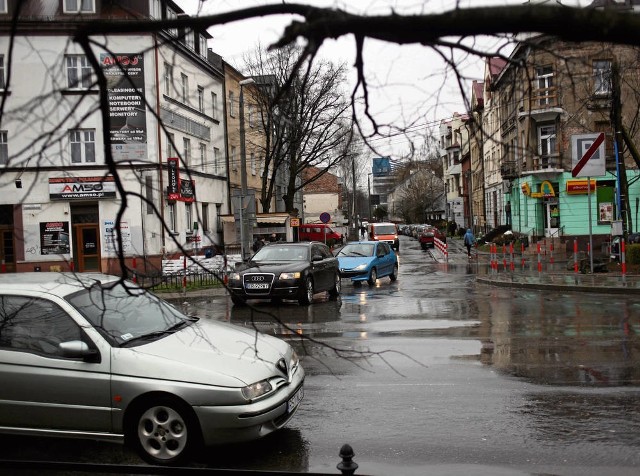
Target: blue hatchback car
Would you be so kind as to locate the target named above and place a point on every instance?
(367, 261)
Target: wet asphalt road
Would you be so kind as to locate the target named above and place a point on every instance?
(437, 375)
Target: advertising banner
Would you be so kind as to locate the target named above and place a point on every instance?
(127, 109)
(110, 236)
(173, 189)
(82, 188)
(54, 238)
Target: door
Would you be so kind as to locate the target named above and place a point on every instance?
(551, 217)
(7, 253)
(87, 247)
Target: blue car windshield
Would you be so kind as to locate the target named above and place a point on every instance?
(357, 250)
(124, 312)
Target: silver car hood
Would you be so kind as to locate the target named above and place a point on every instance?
(207, 352)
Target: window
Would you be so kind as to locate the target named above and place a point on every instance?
(250, 115)
(35, 325)
(83, 145)
(156, 10)
(184, 81)
(201, 99)
(168, 78)
(78, 72)
(544, 82)
(148, 187)
(232, 111)
(188, 214)
(171, 150)
(547, 140)
(79, 6)
(171, 15)
(203, 157)
(252, 161)
(171, 216)
(202, 43)
(4, 148)
(3, 83)
(186, 151)
(188, 39)
(3, 6)
(232, 159)
(205, 218)
(602, 78)
(214, 105)
(218, 215)
(216, 159)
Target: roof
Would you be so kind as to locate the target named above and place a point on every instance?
(266, 218)
(60, 284)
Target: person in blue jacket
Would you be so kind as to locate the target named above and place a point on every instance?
(469, 241)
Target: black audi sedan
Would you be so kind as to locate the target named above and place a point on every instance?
(283, 270)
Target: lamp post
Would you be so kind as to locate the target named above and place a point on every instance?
(369, 190)
(244, 231)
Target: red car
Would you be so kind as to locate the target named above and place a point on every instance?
(428, 235)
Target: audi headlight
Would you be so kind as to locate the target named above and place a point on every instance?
(256, 390)
(234, 277)
(290, 275)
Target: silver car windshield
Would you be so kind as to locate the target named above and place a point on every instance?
(124, 314)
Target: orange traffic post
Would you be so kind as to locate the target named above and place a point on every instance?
(511, 256)
(504, 257)
(135, 274)
(539, 259)
(575, 256)
(522, 251)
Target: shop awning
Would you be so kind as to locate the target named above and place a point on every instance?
(264, 218)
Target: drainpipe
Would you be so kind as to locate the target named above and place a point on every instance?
(158, 128)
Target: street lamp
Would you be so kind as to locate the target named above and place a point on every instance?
(244, 232)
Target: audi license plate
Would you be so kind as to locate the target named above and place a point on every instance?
(257, 285)
(295, 400)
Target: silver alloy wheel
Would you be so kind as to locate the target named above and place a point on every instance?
(309, 286)
(162, 433)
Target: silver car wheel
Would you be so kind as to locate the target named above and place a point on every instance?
(337, 287)
(373, 277)
(307, 296)
(162, 433)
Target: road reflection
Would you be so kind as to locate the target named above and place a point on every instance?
(555, 339)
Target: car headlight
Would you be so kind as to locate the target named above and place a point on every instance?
(290, 275)
(256, 390)
(234, 277)
(360, 267)
(293, 360)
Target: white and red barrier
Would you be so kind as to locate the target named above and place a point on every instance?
(442, 247)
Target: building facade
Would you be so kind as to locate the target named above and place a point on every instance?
(85, 182)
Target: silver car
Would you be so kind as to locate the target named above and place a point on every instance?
(89, 356)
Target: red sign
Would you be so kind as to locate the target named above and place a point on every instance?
(173, 189)
(575, 187)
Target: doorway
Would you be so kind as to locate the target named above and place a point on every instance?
(551, 217)
(7, 244)
(86, 238)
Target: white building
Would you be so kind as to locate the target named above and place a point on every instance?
(63, 196)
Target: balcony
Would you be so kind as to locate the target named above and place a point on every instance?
(509, 170)
(545, 162)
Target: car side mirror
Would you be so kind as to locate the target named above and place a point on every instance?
(78, 349)
(317, 258)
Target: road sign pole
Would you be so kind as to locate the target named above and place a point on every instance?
(590, 225)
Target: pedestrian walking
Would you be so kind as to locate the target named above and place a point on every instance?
(362, 231)
(469, 241)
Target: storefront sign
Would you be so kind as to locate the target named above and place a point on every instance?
(546, 190)
(187, 190)
(54, 238)
(575, 187)
(81, 188)
(127, 109)
(173, 189)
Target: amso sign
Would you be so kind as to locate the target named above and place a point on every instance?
(74, 188)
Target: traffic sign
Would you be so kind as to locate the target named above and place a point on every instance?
(588, 155)
(294, 222)
(325, 217)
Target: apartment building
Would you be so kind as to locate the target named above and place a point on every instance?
(555, 99)
(144, 177)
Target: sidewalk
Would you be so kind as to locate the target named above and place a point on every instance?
(553, 276)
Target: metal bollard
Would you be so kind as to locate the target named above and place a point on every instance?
(347, 465)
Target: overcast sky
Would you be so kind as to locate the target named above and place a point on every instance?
(409, 84)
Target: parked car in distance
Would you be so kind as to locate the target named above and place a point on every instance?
(318, 232)
(367, 261)
(284, 270)
(387, 232)
(428, 235)
(90, 355)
